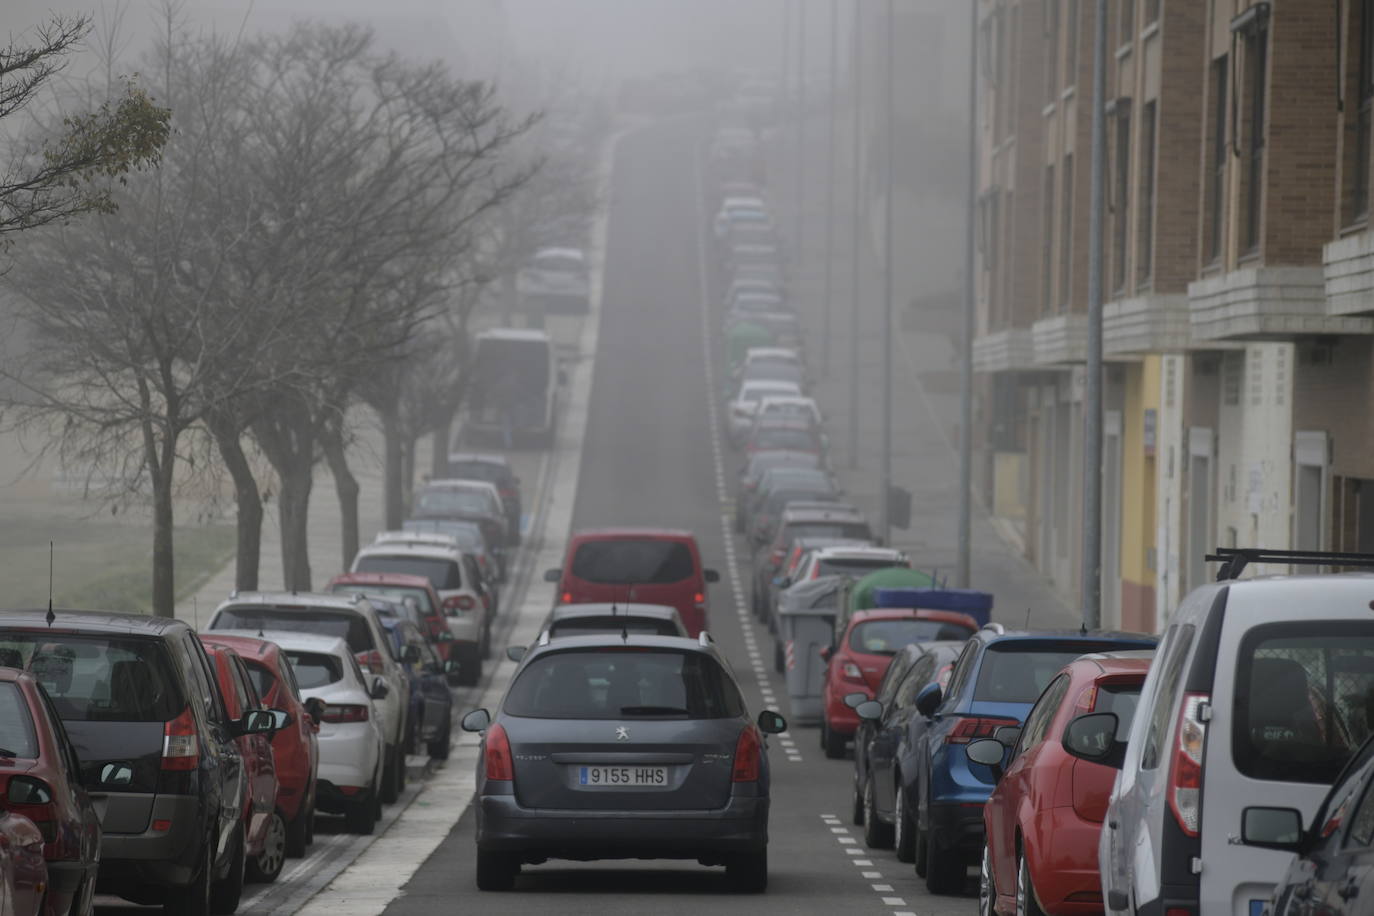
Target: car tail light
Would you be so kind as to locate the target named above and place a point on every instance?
(371, 661)
(459, 603)
(181, 743)
(748, 754)
(33, 798)
(851, 672)
(699, 598)
(344, 712)
(567, 598)
(1087, 699)
(971, 728)
(499, 765)
(1185, 772)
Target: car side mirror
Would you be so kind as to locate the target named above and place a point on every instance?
(1272, 828)
(1093, 738)
(516, 653)
(928, 700)
(379, 689)
(711, 576)
(256, 722)
(410, 654)
(445, 635)
(451, 666)
(315, 707)
(476, 721)
(283, 718)
(989, 752)
(111, 774)
(553, 575)
(869, 710)
(29, 790)
(852, 700)
(771, 723)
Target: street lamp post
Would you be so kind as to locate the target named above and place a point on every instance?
(963, 573)
(830, 187)
(890, 190)
(856, 77)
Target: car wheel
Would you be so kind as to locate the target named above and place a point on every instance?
(496, 871)
(361, 815)
(310, 819)
(877, 835)
(747, 872)
(919, 853)
(227, 891)
(856, 803)
(903, 831)
(470, 667)
(298, 832)
(194, 898)
(439, 747)
(400, 771)
(266, 865)
(944, 867)
(831, 742)
(389, 793)
(987, 887)
(1026, 903)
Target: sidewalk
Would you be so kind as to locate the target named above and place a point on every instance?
(926, 401)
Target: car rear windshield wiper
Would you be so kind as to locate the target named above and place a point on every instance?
(652, 711)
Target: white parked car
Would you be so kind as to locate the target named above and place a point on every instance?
(739, 412)
(351, 741)
(462, 594)
(789, 406)
(1258, 695)
(352, 619)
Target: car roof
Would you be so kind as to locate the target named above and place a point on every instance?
(411, 549)
(295, 601)
(592, 534)
(857, 552)
(405, 580)
(613, 609)
(1110, 663)
(245, 645)
(951, 646)
(292, 641)
(991, 635)
(525, 334)
(771, 353)
(785, 422)
(560, 252)
(460, 483)
(618, 641)
(820, 512)
(479, 457)
(67, 621)
(897, 613)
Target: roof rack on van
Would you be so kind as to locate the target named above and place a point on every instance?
(704, 639)
(1233, 560)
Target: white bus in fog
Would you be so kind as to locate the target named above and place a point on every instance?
(513, 396)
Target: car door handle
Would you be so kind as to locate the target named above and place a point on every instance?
(1113, 824)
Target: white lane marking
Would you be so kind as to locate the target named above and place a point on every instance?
(872, 874)
(846, 840)
(839, 829)
(853, 852)
(883, 888)
(893, 901)
(864, 863)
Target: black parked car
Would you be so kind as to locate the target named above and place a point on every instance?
(140, 702)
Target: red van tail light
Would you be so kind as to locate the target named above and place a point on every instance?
(181, 743)
(344, 712)
(371, 661)
(567, 598)
(459, 603)
(1185, 771)
(748, 754)
(699, 598)
(499, 764)
(971, 728)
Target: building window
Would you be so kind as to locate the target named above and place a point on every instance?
(1256, 63)
(1071, 45)
(1051, 49)
(1066, 234)
(1145, 202)
(1122, 191)
(1126, 21)
(1047, 243)
(1216, 203)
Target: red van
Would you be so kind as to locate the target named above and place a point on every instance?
(643, 565)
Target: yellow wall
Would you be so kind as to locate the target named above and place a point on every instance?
(1138, 473)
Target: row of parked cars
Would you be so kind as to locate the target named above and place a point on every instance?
(142, 759)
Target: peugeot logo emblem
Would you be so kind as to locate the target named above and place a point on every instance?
(622, 733)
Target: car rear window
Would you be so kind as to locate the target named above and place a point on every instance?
(799, 440)
(16, 725)
(477, 470)
(632, 561)
(467, 534)
(778, 499)
(1018, 672)
(441, 573)
(1121, 698)
(352, 628)
(608, 624)
(887, 637)
(614, 683)
(315, 669)
(1304, 700)
(847, 530)
(856, 568)
(397, 592)
(98, 678)
(451, 501)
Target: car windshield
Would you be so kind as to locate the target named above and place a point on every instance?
(785, 372)
(441, 572)
(752, 394)
(849, 530)
(398, 592)
(632, 561)
(616, 683)
(451, 501)
(887, 637)
(351, 627)
(467, 534)
(478, 470)
(1018, 672)
(608, 624)
(16, 725)
(785, 437)
(98, 678)
(315, 669)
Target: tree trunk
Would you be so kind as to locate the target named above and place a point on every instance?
(438, 465)
(408, 468)
(346, 486)
(294, 514)
(164, 558)
(393, 469)
(247, 502)
(510, 298)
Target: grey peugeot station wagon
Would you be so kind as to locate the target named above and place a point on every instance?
(623, 746)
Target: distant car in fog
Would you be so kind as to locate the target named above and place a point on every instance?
(515, 384)
(740, 411)
(495, 469)
(556, 282)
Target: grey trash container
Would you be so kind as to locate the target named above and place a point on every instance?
(806, 625)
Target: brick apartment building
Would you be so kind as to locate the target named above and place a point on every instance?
(1238, 279)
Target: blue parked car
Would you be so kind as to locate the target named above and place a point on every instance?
(431, 703)
(997, 679)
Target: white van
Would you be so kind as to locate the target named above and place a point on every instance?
(1260, 691)
(514, 392)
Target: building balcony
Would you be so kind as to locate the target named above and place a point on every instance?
(1348, 268)
(1004, 351)
(1152, 323)
(1060, 340)
(1266, 303)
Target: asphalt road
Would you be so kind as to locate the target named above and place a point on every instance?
(649, 458)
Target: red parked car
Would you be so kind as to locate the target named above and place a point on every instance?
(858, 660)
(641, 565)
(1043, 819)
(400, 587)
(295, 747)
(23, 871)
(41, 780)
(264, 830)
